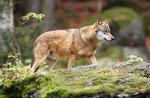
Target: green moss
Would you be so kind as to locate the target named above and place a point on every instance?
(138, 73)
(121, 15)
(75, 83)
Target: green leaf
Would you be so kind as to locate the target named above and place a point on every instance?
(34, 15)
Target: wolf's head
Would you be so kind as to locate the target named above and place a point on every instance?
(102, 30)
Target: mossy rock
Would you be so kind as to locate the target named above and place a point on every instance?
(106, 80)
(120, 15)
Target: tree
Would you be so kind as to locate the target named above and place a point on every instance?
(33, 6)
(48, 10)
(42, 6)
(100, 5)
(7, 39)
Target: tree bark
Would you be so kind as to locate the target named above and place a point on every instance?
(48, 10)
(100, 5)
(42, 6)
(7, 39)
(33, 6)
(6, 16)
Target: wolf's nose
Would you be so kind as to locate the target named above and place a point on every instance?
(112, 38)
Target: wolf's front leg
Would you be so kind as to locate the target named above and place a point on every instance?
(71, 61)
(93, 59)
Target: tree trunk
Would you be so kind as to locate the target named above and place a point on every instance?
(6, 15)
(100, 5)
(7, 41)
(42, 6)
(48, 10)
(33, 6)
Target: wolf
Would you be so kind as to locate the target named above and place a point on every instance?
(70, 44)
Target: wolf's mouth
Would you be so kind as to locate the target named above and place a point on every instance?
(105, 39)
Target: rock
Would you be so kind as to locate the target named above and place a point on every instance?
(34, 95)
(108, 80)
(123, 96)
(129, 78)
(139, 51)
(132, 34)
(42, 73)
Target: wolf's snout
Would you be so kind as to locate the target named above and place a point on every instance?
(112, 38)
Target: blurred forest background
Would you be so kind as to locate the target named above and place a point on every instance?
(129, 22)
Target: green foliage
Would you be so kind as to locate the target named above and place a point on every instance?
(121, 15)
(134, 57)
(27, 17)
(13, 60)
(13, 69)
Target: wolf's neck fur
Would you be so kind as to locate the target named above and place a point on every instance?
(88, 36)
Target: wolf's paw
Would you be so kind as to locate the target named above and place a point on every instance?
(81, 53)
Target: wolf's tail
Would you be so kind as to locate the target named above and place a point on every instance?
(33, 53)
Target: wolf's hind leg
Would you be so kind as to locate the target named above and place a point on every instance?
(36, 64)
(52, 60)
(39, 55)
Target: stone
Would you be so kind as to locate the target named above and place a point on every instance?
(123, 96)
(93, 81)
(139, 51)
(132, 34)
(42, 73)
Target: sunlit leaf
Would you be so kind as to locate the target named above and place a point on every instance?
(34, 15)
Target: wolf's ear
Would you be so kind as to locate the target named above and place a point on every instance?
(99, 21)
(106, 21)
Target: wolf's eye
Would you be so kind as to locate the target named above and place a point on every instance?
(96, 31)
(105, 31)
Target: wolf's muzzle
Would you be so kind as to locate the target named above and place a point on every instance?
(112, 38)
